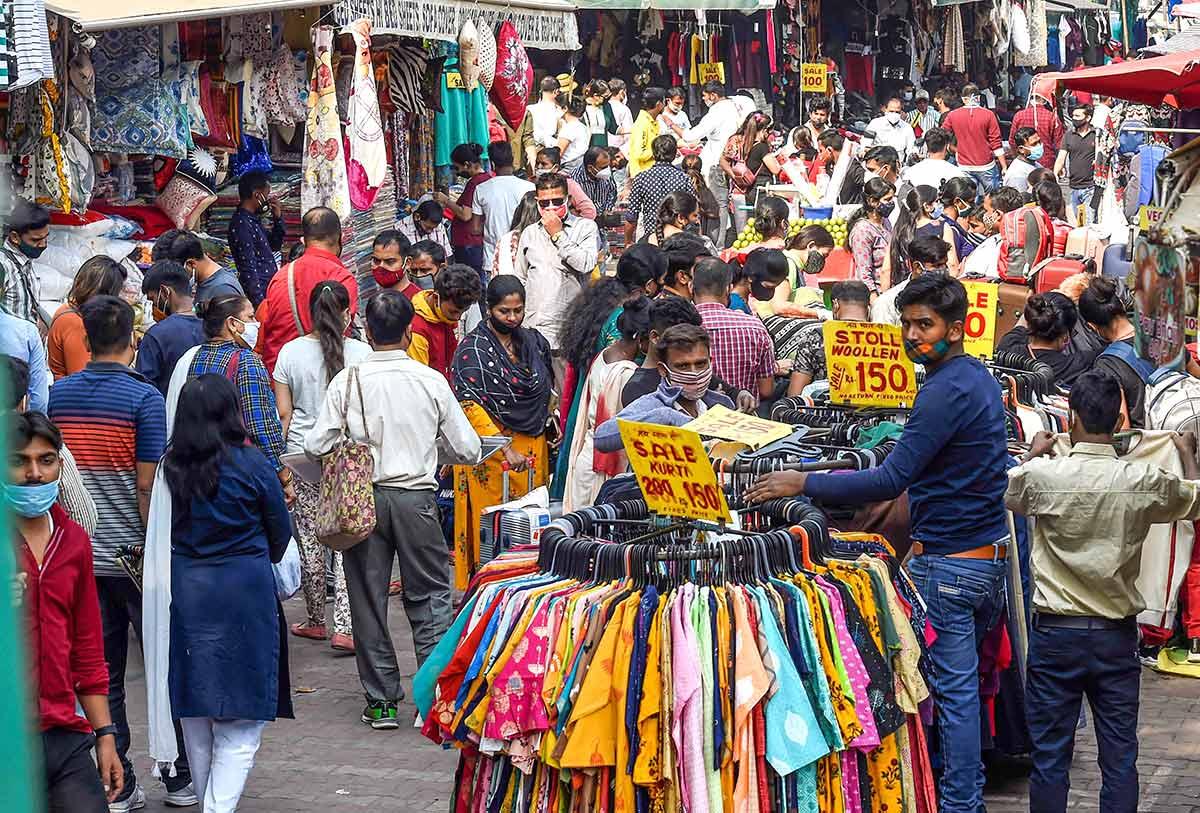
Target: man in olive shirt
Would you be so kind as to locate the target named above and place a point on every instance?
(1092, 512)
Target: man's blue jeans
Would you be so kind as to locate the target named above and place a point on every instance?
(965, 598)
(1064, 665)
(986, 180)
(1082, 197)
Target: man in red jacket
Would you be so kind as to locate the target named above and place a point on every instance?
(320, 261)
(977, 133)
(66, 645)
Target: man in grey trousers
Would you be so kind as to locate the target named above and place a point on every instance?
(405, 411)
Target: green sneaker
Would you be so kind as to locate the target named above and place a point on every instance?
(380, 714)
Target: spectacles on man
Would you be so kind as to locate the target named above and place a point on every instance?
(548, 203)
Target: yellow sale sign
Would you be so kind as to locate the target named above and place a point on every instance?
(712, 72)
(867, 365)
(979, 330)
(814, 77)
(673, 471)
(722, 422)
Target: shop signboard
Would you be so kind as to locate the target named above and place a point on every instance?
(867, 365)
(814, 77)
(1159, 299)
(673, 471)
(979, 329)
(722, 422)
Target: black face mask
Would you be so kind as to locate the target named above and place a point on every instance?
(760, 291)
(815, 263)
(503, 328)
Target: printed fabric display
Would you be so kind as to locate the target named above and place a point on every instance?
(368, 163)
(324, 174)
(711, 676)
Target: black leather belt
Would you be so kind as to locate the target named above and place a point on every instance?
(1082, 622)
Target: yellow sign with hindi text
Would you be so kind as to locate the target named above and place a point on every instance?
(814, 77)
(673, 471)
(722, 422)
(867, 365)
(979, 329)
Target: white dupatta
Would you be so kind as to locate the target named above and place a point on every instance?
(156, 598)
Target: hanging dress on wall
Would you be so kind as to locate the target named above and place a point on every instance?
(324, 182)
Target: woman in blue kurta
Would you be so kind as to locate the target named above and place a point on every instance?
(228, 654)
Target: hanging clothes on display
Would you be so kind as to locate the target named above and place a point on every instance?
(367, 166)
(777, 671)
(463, 118)
(325, 181)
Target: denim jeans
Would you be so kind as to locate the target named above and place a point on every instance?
(1064, 665)
(72, 783)
(965, 599)
(120, 608)
(1082, 197)
(986, 180)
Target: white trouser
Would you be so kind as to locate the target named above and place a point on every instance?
(220, 754)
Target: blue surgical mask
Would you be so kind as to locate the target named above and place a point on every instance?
(1036, 152)
(425, 283)
(938, 209)
(31, 501)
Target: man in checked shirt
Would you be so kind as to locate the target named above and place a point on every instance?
(743, 355)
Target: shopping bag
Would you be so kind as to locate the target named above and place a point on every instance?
(287, 572)
(346, 502)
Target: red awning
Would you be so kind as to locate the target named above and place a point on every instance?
(1173, 79)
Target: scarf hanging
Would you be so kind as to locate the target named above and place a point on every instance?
(515, 394)
(324, 178)
(368, 155)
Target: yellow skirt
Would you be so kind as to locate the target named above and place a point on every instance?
(482, 486)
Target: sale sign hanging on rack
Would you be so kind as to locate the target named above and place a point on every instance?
(979, 329)
(673, 471)
(814, 77)
(867, 365)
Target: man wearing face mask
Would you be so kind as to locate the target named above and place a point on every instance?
(952, 458)
(891, 130)
(742, 352)
(722, 120)
(288, 315)
(1029, 150)
(25, 231)
(684, 393)
(116, 423)
(389, 263)
(253, 248)
(934, 170)
(594, 177)
(210, 279)
(554, 257)
(976, 132)
(549, 162)
(64, 630)
(427, 222)
(1076, 163)
(424, 260)
(926, 254)
(176, 327)
(455, 289)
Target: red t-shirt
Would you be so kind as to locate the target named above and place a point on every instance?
(62, 612)
(279, 327)
(460, 230)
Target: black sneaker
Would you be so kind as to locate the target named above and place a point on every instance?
(1194, 651)
(380, 714)
(1148, 655)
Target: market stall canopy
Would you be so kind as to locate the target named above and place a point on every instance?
(1173, 79)
(101, 15)
(680, 5)
(547, 24)
(1187, 41)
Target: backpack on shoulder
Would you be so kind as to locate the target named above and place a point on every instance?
(1173, 402)
(1017, 228)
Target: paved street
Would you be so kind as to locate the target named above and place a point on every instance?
(326, 760)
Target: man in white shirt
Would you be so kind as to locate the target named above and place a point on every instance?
(934, 170)
(722, 120)
(496, 199)
(621, 112)
(891, 130)
(1027, 145)
(545, 116)
(404, 444)
(554, 257)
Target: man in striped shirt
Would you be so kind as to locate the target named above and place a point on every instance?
(114, 421)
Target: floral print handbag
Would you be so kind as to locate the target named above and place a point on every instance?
(346, 503)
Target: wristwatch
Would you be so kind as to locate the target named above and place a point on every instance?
(105, 731)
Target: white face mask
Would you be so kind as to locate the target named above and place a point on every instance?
(892, 117)
(249, 336)
(604, 174)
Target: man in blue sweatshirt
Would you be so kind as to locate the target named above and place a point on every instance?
(952, 459)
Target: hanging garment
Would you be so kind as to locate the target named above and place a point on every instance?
(368, 154)
(31, 40)
(324, 164)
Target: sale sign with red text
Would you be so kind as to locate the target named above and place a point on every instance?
(867, 365)
(673, 471)
(979, 330)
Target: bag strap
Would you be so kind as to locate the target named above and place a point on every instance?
(352, 377)
(1126, 354)
(291, 283)
(234, 362)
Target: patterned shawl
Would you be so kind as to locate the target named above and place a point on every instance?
(515, 394)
